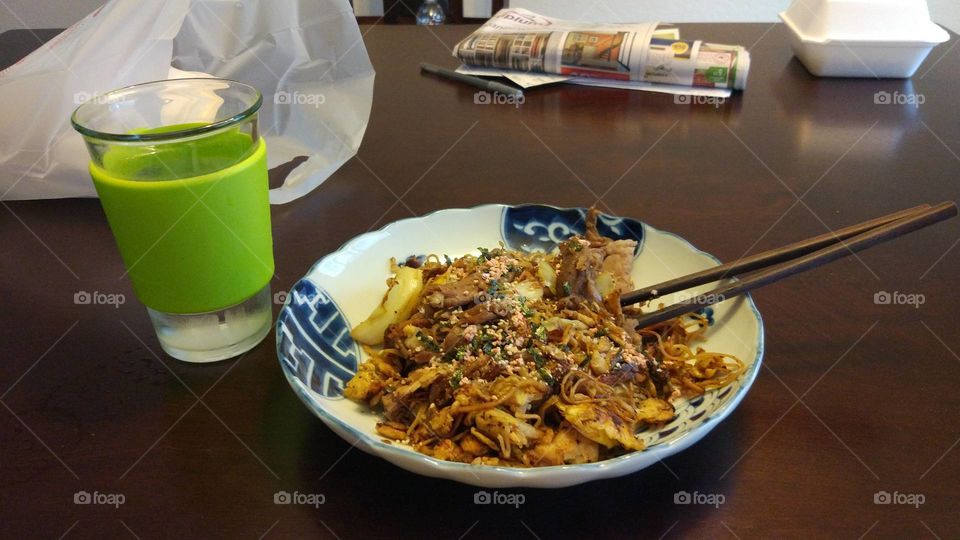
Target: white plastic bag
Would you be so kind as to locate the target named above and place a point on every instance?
(306, 56)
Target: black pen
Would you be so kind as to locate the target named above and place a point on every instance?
(477, 82)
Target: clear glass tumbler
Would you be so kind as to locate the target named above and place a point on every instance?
(181, 172)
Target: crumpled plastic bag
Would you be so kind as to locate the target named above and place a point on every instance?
(307, 57)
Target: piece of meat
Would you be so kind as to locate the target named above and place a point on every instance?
(440, 393)
(592, 234)
(422, 357)
(454, 294)
(484, 312)
(582, 260)
(579, 266)
(617, 261)
(393, 337)
(394, 409)
(452, 339)
(622, 373)
(395, 404)
(482, 367)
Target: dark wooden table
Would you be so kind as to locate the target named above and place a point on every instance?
(855, 398)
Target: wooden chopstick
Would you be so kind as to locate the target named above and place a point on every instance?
(764, 259)
(870, 238)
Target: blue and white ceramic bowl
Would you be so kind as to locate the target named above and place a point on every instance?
(318, 356)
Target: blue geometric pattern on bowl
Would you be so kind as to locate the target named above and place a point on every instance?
(532, 227)
(313, 341)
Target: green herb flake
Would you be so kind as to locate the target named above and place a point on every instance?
(540, 332)
(567, 289)
(455, 378)
(537, 357)
(457, 353)
(545, 375)
(428, 342)
(484, 255)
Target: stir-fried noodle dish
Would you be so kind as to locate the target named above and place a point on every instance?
(527, 359)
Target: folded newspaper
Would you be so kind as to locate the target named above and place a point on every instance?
(532, 49)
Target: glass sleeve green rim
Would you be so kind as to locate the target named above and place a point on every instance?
(167, 135)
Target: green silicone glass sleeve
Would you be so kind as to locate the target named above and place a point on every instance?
(196, 244)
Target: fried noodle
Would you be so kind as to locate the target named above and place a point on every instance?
(527, 359)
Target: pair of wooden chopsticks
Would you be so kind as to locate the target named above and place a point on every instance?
(776, 264)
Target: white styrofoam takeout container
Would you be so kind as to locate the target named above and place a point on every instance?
(862, 38)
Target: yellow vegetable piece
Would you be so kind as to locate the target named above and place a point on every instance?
(606, 284)
(396, 306)
(547, 275)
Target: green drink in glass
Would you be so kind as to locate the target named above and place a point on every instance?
(181, 172)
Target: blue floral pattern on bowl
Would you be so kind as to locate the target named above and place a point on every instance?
(533, 227)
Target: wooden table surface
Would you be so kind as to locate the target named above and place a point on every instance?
(855, 399)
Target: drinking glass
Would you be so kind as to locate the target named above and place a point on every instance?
(181, 172)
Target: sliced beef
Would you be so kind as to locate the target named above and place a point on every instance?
(482, 367)
(622, 373)
(581, 261)
(454, 294)
(484, 312)
(579, 266)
